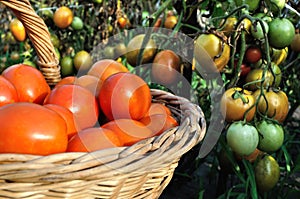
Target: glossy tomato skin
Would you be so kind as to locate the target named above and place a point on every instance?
(271, 136)
(17, 29)
(104, 68)
(253, 54)
(159, 123)
(242, 138)
(267, 173)
(158, 108)
(80, 101)
(124, 95)
(8, 93)
(30, 128)
(29, 82)
(92, 139)
(275, 104)
(233, 107)
(67, 115)
(128, 131)
(166, 68)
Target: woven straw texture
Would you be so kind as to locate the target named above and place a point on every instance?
(139, 171)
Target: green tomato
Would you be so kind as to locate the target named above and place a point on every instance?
(257, 29)
(67, 67)
(267, 173)
(271, 136)
(281, 33)
(77, 23)
(242, 138)
(275, 5)
(253, 4)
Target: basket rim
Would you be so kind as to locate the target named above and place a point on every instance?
(144, 156)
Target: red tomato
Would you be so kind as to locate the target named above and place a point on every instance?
(124, 95)
(29, 82)
(80, 101)
(158, 108)
(129, 131)
(159, 123)
(106, 67)
(92, 139)
(8, 93)
(253, 54)
(89, 82)
(67, 115)
(245, 70)
(31, 129)
(66, 80)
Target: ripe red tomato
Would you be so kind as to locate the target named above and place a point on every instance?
(159, 123)
(89, 82)
(158, 108)
(104, 68)
(8, 93)
(29, 82)
(80, 101)
(67, 115)
(253, 54)
(92, 139)
(66, 80)
(30, 128)
(124, 95)
(128, 131)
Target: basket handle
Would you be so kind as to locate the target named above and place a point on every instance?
(39, 35)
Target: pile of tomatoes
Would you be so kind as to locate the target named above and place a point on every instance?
(107, 107)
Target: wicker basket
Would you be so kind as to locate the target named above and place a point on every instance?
(140, 171)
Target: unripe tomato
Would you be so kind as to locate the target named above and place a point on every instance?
(267, 173)
(242, 138)
(83, 61)
(77, 23)
(234, 104)
(255, 76)
(295, 45)
(17, 29)
(271, 136)
(134, 46)
(281, 33)
(217, 49)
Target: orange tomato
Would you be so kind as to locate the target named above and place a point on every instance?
(159, 123)
(29, 82)
(17, 29)
(66, 80)
(170, 22)
(30, 128)
(89, 82)
(158, 108)
(104, 68)
(67, 115)
(124, 95)
(8, 93)
(63, 17)
(122, 22)
(128, 131)
(79, 100)
(92, 139)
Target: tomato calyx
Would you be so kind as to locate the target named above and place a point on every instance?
(240, 95)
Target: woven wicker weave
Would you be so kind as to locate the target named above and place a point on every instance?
(139, 171)
(39, 35)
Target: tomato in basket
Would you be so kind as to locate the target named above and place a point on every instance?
(128, 131)
(79, 100)
(159, 123)
(30, 128)
(67, 115)
(92, 139)
(124, 95)
(29, 82)
(8, 93)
